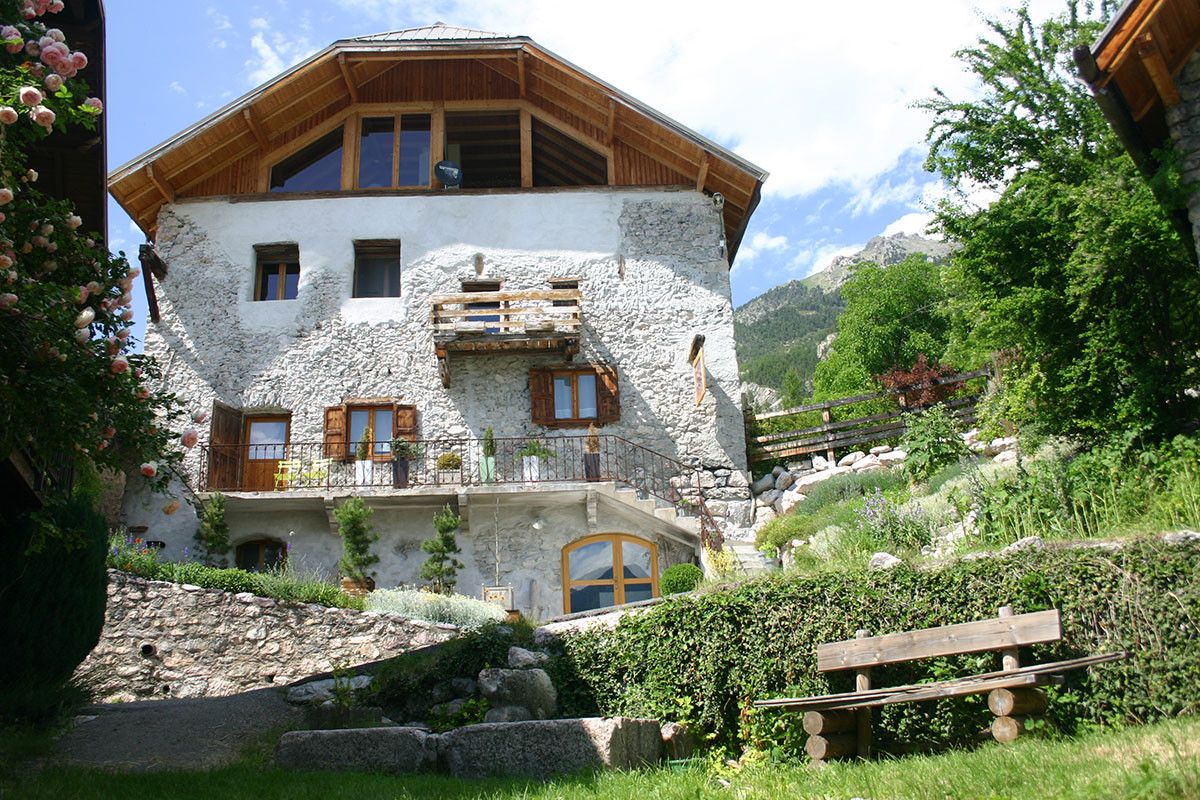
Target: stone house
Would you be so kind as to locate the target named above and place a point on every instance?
(429, 234)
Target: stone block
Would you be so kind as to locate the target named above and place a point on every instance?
(880, 450)
(739, 478)
(507, 714)
(850, 459)
(391, 750)
(784, 480)
(677, 741)
(789, 500)
(530, 688)
(867, 464)
(541, 748)
(763, 484)
(768, 497)
(519, 657)
(883, 561)
(892, 455)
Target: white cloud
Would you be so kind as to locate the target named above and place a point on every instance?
(826, 254)
(220, 22)
(259, 24)
(759, 243)
(912, 224)
(176, 86)
(273, 57)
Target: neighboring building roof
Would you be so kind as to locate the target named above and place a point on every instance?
(230, 151)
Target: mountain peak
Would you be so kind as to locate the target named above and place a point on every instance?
(881, 250)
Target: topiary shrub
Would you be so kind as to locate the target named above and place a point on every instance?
(680, 578)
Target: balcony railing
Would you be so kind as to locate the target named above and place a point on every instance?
(301, 466)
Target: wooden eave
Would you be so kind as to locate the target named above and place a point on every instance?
(230, 151)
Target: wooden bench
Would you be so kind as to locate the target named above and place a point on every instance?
(839, 725)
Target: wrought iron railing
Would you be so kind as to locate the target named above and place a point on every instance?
(448, 462)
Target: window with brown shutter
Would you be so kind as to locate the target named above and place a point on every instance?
(225, 448)
(335, 433)
(574, 396)
(388, 419)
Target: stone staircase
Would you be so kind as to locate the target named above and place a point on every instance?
(655, 508)
(750, 559)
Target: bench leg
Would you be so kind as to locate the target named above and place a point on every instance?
(862, 683)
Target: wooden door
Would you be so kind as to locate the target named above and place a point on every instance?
(265, 445)
(224, 449)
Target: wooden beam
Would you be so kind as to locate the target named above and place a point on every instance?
(526, 148)
(1152, 59)
(521, 71)
(161, 183)
(437, 147)
(611, 133)
(570, 130)
(349, 159)
(702, 173)
(256, 129)
(348, 78)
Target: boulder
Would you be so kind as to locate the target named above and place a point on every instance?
(868, 464)
(883, 561)
(462, 687)
(768, 497)
(784, 480)
(789, 500)
(777, 471)
(519, 657)
(892, 455)
(450, 707)
(530, 688)
(1028, 543)
(320, 691)
(819, 463)
(739, 478)
(850, 459)
(880, 450)
(541, 748)
(813, 478)
(678, 742)
(1181, 537)
(391, 750)
(507, 714)
(1005, 457)
(763, 515)
(763, 484)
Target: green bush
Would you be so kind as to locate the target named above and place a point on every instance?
(449, 461)
(932, 441)
(703, 659)
(455, 609)
(353, 519)
(680, 578)
(831, 502)
(212, 535)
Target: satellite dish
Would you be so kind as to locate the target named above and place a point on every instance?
(449, 173)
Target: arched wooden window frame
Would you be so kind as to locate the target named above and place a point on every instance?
(618, 580)
(261, 544)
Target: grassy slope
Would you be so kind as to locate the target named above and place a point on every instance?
(1150, 762)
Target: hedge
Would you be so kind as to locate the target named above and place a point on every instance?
(703, 659)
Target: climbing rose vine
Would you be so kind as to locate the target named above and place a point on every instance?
(70, 385)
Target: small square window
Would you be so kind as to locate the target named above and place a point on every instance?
(377, 269)
(277, 274)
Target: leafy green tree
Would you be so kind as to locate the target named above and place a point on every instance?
(354, 526)
(441, 568)
(893, 314)
(212, 535)
(1075, 277)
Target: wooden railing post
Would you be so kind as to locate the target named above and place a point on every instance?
(1009, 656)
(827, 417)
(862, 682)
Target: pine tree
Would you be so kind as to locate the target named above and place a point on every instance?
(441, 568)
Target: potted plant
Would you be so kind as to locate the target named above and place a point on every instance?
(441, 568)
(362, 466)
(449, 468)
(353, 519)
(531, 456)
(487, 464)
(402, 452)
(591, 454)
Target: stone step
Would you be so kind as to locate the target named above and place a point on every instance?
(665, 513)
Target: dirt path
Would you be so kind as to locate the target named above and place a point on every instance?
(196, 733)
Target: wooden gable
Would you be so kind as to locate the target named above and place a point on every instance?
(600, 129)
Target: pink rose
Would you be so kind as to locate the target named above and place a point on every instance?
(85, 318)
(126, 299)
(133, 273)
(149, 469)
(127, 315)
(6, 195)
(82, 335)
(31, 175)
(27, 10)
(31, 49)
(8, 33)
(8, 300)
(110, 432)
(42, 116)
(56, 35)
(143, 393)
(39, 241)
(30, 96)
(53, 82)
(119, 365)
(74, 221)
(54, 53)
(55, 6)
(94, 287)
(5, 261)
(14, 47)
(171, 507)
(8, 115)
(78, 60)
(65, 68)
(47, 229)
(123, 334)
(199, 416)
(83, 295)
(94, 102)
(190, 438)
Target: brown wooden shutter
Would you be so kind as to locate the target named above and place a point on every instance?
(608, 397)
(335, 433)
(225, 447)
(541, 396)
(406, 422)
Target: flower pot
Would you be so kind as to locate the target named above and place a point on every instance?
(451, 476)
(363, 472)
(591, 466)
(358, 587)
(400, 473)
(487, 469)
(531, 469)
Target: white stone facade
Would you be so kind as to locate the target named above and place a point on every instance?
(651, 271)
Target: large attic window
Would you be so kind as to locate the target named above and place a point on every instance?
(559, 160)
(487, 146)
(385, 161)
(315, 168)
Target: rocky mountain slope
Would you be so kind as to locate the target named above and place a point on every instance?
(881, 250)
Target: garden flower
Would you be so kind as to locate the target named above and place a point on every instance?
(143, 393)
(55, 6)
(39, 241)
(85, 318)
(127, 314)
(31, 175)
(30, 96)
(78, 60)
(199, 416)
(47, 229)
(190, 438)
(32, 49)
(149, 469)
(171, 507)
(5, 260)
(15, 47)
(94, 102)
(53, 82)
(74, 221)
(8, 115)
(42, 116)
(94, 287)
(110, 432)
(82, 335)
(6, 195)
(8, 300)
(83, 295)
(8, 33)
(119, 365)
(123, 334)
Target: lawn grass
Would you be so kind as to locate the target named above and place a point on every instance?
(1152, 762)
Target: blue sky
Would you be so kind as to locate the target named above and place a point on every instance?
(819, 95)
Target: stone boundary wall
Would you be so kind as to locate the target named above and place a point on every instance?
(176, 640)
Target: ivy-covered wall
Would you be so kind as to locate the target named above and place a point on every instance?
(704, 659)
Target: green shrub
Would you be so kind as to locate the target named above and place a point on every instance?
(212, 536)
(831, 502)
(680, 578)
(449, 461)
(455, 609)
(353, 519)
(441, 568)
(932, 441)
(702, 659)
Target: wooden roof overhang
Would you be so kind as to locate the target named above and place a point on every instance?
(230, 151)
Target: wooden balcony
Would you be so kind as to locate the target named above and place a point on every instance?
(505, 323)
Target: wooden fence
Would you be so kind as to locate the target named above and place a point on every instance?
(833, 435)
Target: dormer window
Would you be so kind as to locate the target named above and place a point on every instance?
(317, 167)
(388, 161)
(277, 274)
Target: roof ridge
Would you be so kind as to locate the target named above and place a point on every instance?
(437, 31)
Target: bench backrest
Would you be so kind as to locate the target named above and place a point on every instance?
(968, 637)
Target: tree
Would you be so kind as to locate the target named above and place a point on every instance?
(1075, 276)
(354, 526)
(212, 535)
(441, 568)
(893, 314)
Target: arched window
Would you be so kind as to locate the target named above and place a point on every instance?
(608, 569)
(260, 555)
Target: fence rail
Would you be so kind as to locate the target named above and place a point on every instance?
(295, 466)
(832, 435)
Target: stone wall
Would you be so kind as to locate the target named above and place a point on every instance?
(169, 640)
(1183, 120)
